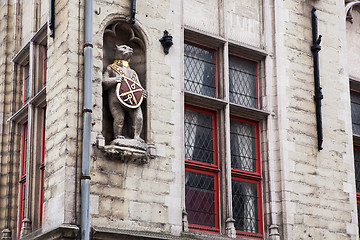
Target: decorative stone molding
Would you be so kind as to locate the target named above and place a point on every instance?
(274, 232)
(185, 221)
(348, 8)
(26, 227)
(230, 228)
(128, 150)
(6, 234)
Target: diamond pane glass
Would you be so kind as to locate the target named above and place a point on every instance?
(200, 199)
(26, 82)
(243, 151)
(242, 75)
(357, 168)
(245, 209)
(198, 137)
(355, 112)
(199, 70)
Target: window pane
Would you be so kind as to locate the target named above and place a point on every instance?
(243, 151)
(199, 70)
(45, 65)
(357, 168)
(355, 112)
(245, 209)
(24, 149)
(198, 137)
(200, 202)
(26, 82)
(243, 89)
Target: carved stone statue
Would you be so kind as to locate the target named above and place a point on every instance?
(125, 95)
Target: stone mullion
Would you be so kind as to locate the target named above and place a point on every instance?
(26, 227)
(229, 221)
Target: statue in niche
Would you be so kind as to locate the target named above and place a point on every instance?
(125, 95)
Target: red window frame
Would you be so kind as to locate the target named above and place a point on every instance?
(357, 148)
(207, 169)
(215, 63)
(22, 181)
(251, 177)
(42, 168)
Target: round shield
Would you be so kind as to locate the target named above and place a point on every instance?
(129, 93)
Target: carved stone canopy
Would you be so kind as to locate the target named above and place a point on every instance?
(350, 4)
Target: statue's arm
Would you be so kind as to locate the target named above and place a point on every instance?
(110, 79)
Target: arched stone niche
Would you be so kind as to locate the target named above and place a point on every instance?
(123, 33)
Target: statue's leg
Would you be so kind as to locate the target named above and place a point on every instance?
(118, 114)
(137, 123)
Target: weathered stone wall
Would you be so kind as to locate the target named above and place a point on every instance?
(63, 110)
(6, 9)
(127, 195)
(310, 194)
(318, 188)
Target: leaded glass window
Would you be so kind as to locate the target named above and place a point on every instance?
(199, 70)
(355, 112)
(243, 150)
(245, 206)
(26, 82)
(357, 168)
(200, 199)
(199, 136)
(209, 93)
(243, 82)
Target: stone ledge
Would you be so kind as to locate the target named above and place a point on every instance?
(122, 234)
(64, 231)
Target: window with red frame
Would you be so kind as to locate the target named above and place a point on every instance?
(203, 165)
(246, 176)
(42, 168)
(26, 82)
(22, 196)
(357, 177)
(202, 170)
(355, 116)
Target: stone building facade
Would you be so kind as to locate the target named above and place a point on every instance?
(229, 121)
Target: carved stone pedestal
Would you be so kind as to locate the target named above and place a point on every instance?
(128, 150)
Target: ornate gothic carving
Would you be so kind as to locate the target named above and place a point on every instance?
(348, 8)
